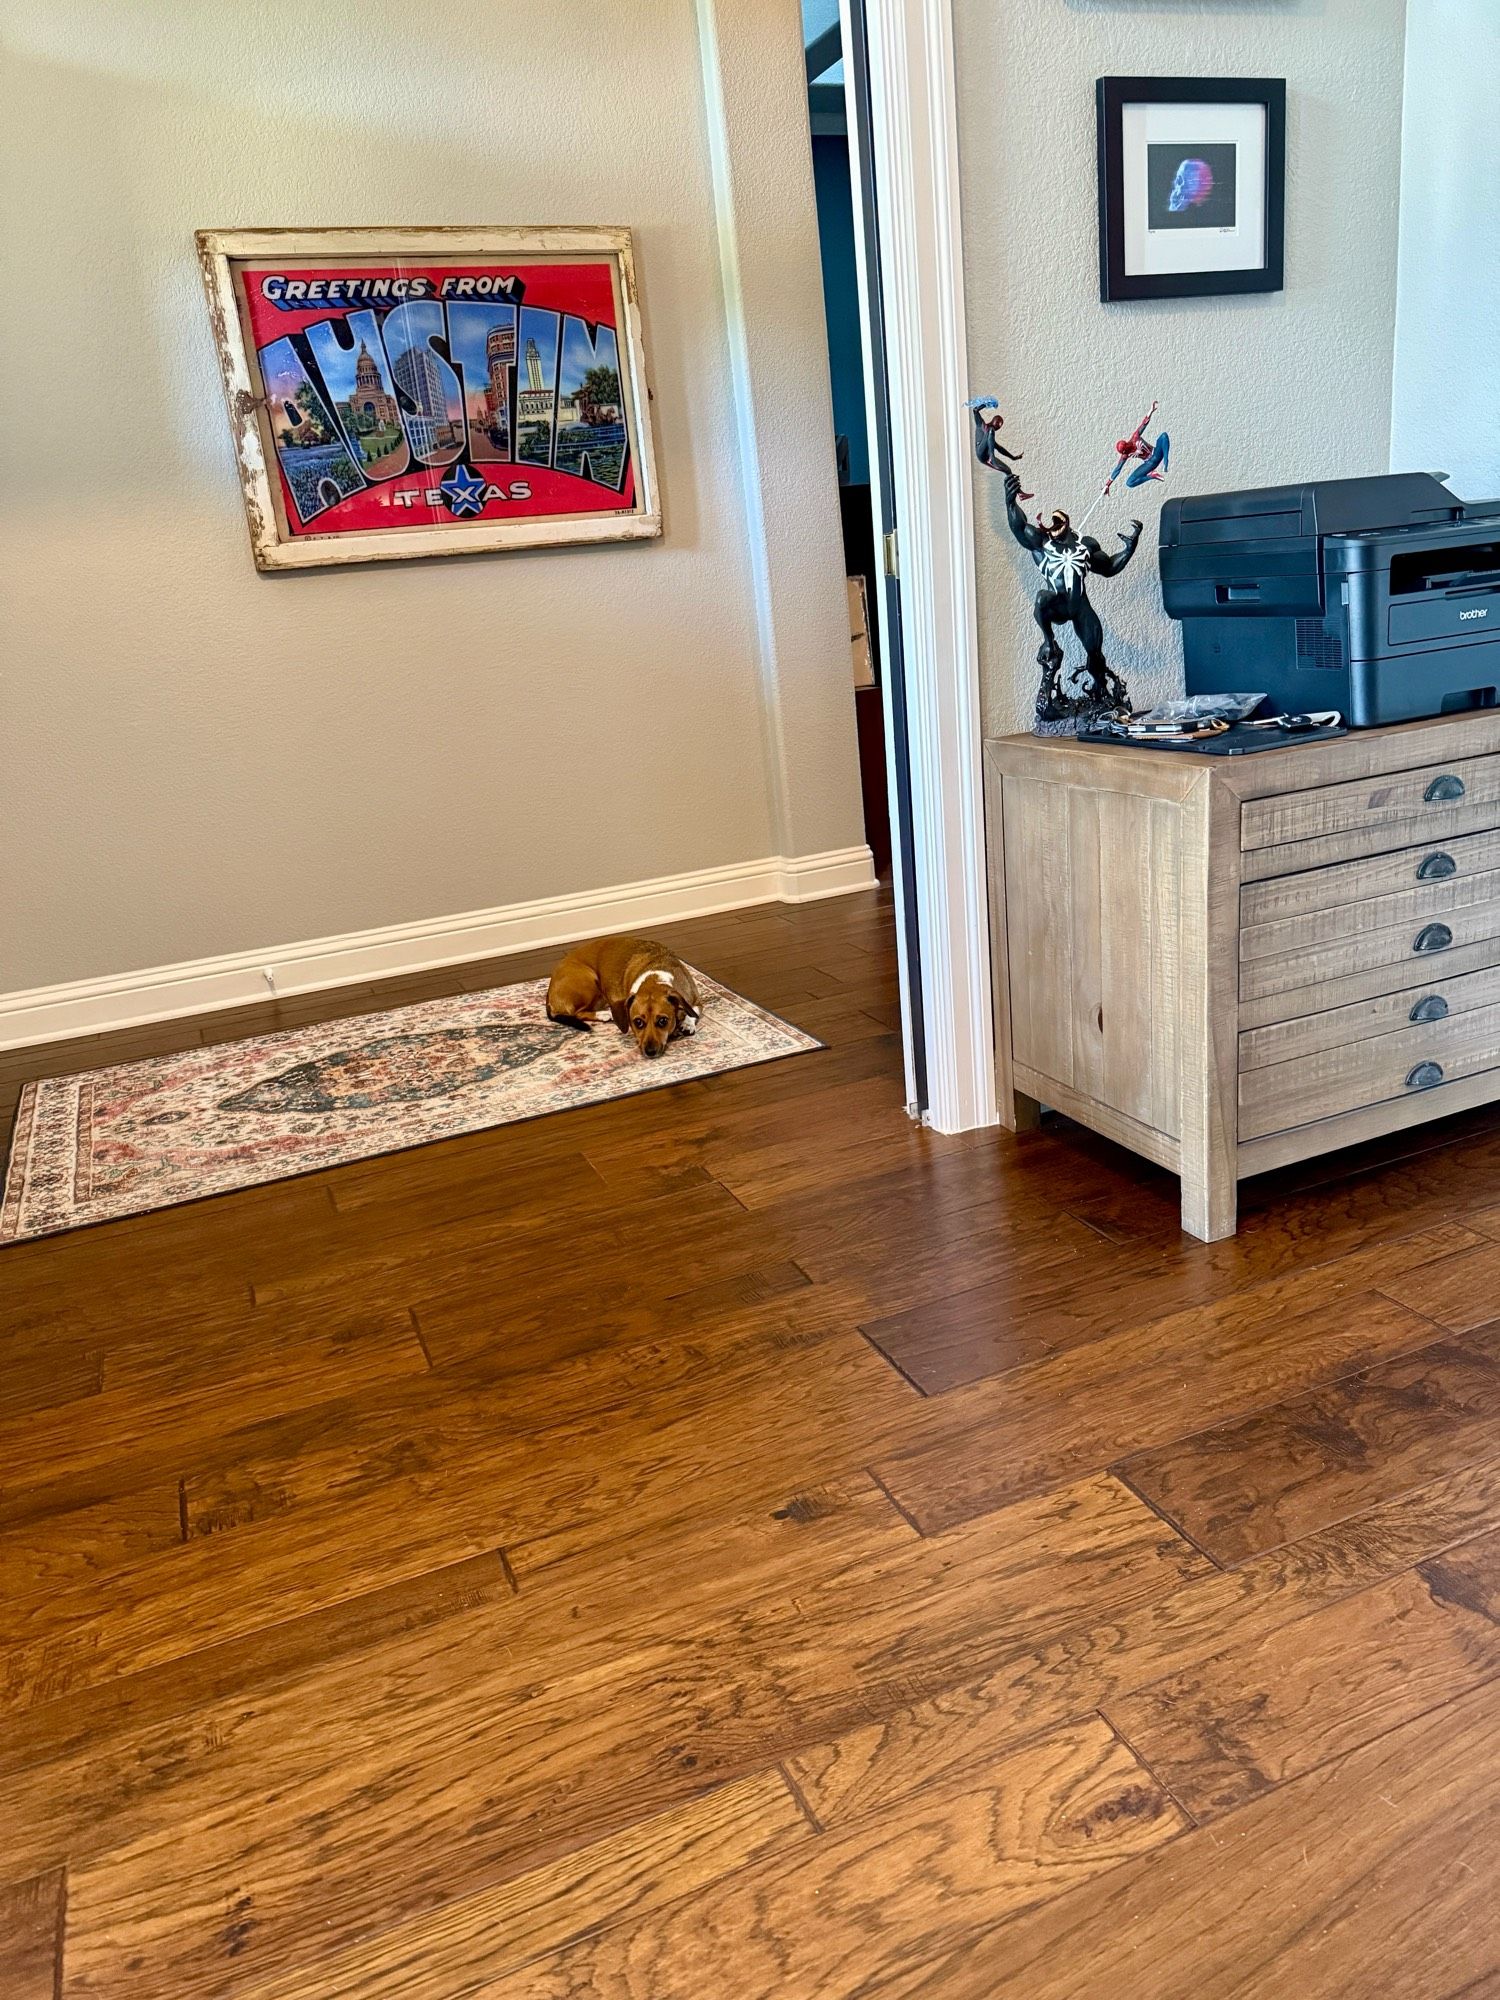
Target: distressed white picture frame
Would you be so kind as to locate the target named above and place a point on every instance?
(274, 547)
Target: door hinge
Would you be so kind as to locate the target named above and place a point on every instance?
(892, 556)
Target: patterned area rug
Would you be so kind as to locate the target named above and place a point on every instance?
(146, 1135)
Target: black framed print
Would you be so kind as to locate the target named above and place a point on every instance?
(1192, 185)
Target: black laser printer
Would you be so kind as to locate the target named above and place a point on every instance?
(1379, 597)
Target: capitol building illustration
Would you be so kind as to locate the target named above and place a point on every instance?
(370, 406)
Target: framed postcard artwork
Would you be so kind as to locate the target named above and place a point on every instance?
(421, 392)
(1192, 185)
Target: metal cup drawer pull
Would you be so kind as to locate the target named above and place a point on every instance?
(1424, 1076)
(1445, 788)
(1431, 1007)
(1432, 937)
(1436, 867)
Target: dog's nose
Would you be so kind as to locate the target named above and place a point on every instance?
(652, 1050)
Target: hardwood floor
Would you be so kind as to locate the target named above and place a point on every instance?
(733, 1542)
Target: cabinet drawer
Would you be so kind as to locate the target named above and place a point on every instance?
(1410, 1062)
(1412, 976)
(1411, 946)
(1422, 905)
(1377, 875)
(1431, 796)
(1362, 1020)
(1296, 858)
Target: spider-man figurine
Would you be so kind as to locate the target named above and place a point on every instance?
(987, 445)
(1154, 457)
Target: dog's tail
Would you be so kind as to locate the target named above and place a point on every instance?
(570, 1021)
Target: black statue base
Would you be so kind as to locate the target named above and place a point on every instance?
(1095, 694)
(1062, 725)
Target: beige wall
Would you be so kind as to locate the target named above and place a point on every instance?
(1446, 401)
(1256, 390)
(197, 759)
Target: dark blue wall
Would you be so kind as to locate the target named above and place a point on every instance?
(841, 299)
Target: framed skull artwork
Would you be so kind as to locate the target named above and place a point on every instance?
(1192, 185)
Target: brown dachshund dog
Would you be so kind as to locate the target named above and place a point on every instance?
(646, 989)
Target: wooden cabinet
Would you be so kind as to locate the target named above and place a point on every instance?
(1231, 963)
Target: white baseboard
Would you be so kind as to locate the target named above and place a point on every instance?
(163, 992)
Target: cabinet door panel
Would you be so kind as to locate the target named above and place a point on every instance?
(1092, 902)
(1039, 937)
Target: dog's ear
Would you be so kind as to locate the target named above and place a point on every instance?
(688, 1016)
(619, 1013)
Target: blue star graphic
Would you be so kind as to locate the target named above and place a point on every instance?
(463, 491)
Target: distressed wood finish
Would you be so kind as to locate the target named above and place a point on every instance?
(1223, 1733)
(735, 1540)
(1403, 1826)
(1337, 850)
(1402, 910)
(1321, 969)
(1412, 973)
(1289, 1470)
(1215, 961)
(1395, 1115)
(1367, 1071)
(31, 1928)
(618, 1882)
(1342, 1027)
(1062, 1810)
(1096, 1008)
(1347, 885)
(1424, 796)
(1207, 1036)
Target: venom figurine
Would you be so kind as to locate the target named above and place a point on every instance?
(1066, 561)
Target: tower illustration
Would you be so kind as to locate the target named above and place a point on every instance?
(499, 353)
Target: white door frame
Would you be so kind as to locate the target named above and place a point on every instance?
(914, 157)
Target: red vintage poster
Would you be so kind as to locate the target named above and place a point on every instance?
(406, 402)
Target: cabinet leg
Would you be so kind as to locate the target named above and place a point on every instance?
(1018, 1112)
(1210, 1203)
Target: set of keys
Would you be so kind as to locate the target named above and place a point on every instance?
(1152, 727)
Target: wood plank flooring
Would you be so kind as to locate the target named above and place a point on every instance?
(732, 1541)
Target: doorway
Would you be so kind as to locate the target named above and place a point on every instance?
(848, 243)
(892, 61)
(833, 188)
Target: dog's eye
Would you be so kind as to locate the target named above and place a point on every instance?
(638, 1023)
(661, 1020)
